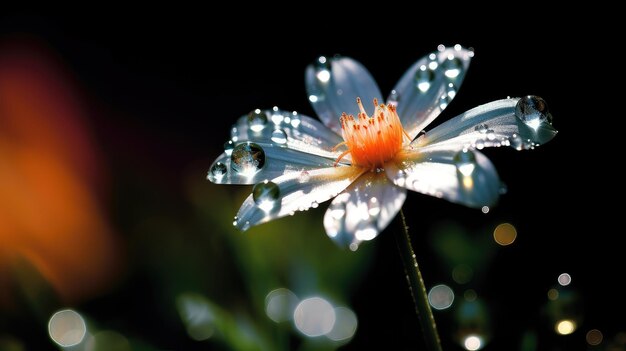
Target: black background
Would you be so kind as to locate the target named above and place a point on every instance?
(177, 80)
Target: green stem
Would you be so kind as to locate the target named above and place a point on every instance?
(417, 287)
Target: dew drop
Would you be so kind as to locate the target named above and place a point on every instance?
(218, 171)
(480, 144)
(228, 147)
(279, 137)
(277, 116)
(234, 134)
(295, 119)
(451, 90)
(322, 69)
(264, 192)
(394, 97)
(444, 100)
(481, 128)
(314, 204)
(465, 162)
(452, 67)
(423, 78)
(533, 111)
(257, 120)
(247, 159)
(491, 135)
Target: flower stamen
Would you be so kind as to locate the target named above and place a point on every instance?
(372, 141)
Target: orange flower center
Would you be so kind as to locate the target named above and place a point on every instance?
(372, 141)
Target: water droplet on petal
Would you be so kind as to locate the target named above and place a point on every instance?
(228, 147)
(480, 144)
(266, 195)
(533, 111)
(481, 128)
(394, 97)
(279, 137)
(373, 207)
(322, 69)
(444, 100)
(452, 67)
(234, 134)
(423, 78)
(491, 135)
(257, 120)
(314, 204)
(247, 159)
(465, 162)
(295, 119)
(451, 90)
(277, 116)
(218, 171)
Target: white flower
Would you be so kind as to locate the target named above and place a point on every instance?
(367, 163)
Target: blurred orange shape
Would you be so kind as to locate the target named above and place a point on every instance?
(50, 177)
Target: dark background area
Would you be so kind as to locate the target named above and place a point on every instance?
(163, 92)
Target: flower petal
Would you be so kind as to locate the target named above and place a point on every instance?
(288, 129)
(465, 177)
(250, 163)
(493, 124)
(296, 192)
(333, 85)
(428, 86)
(363, 210)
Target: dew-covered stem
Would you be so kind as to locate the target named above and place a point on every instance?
(416, 286)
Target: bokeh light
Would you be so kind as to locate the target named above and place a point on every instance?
(345, 325)
(470, 295)
(594, 337)
(280, 305)
(108, 340)
(314, 317)
(553, 294)
(565, 326)
(67, 328)
(564, 279)
(462, 274)
(473, 342)
(196, 314)
(441, 297)
(485, 209)
(505, 234)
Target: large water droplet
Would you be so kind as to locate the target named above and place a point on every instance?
(322, 69)
(452, 67)
(228, 147)
(266, 195)
(218, 171)
(279, 137)
(465, 162)
(423, 78)
(533, 111)
(257, 120)
(247, 159)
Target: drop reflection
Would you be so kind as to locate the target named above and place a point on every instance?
(594, 337)
(67, 328)
(505, 234)
(345, 325)
(197, 315)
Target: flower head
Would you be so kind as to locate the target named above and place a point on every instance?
(367, 162)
